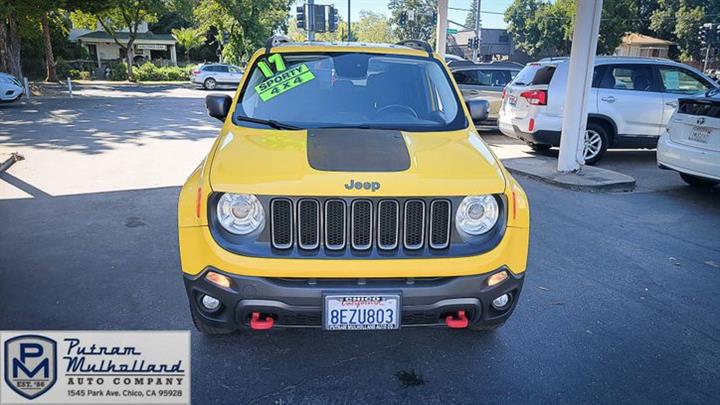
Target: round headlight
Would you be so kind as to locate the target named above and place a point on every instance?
(477, 214)
(240, 214)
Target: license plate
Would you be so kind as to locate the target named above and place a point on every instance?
(362, 312)
(700, 134)
(512, 100)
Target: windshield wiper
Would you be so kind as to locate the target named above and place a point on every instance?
(270, 123)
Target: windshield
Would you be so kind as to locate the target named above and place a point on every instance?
(350, 90)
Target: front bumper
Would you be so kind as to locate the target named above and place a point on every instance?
(297, 303)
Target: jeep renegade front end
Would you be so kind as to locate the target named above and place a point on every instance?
(349, 189)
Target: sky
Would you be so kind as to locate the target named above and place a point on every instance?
(380, 6)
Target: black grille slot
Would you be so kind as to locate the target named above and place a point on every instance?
(308, 224)
(439, 224)
(335, 224)
(361, 225)
(282, 223)
(388, 227)
(414, 224)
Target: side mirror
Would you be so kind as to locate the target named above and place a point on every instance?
(218, 105)
(478, 109)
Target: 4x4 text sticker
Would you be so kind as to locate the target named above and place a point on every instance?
(284, 81)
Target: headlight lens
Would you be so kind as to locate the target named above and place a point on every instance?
(240, 214)
(477, 214)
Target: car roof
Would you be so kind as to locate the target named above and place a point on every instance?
(612, 59)
(359, 47)
(483, 66)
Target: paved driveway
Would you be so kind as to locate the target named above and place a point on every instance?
(620, 303)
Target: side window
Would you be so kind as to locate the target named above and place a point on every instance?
(680, 81)
(499, 78)
(484, 77)
(628, 77)
(465, 77)
(598, 74)
(222, 69)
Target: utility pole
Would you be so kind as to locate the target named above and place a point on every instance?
(441, 28)
(478, 31)
(348, 30)
(310, 18)
(707, 58)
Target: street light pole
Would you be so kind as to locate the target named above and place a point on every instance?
(478, 31)
(577, 94)
(348, 30)
(310, 20)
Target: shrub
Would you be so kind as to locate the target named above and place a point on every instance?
(118, 71)
(149, 72)
(84, 75)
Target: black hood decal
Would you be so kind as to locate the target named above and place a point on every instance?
(357, 150)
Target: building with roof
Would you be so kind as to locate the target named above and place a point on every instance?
(634, 44)
(159, 48)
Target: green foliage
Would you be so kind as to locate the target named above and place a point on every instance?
(421, 27)
(249, 23)
(188, 38)
(373, 27)
(149, 72)
(470, 18)
(118, 71)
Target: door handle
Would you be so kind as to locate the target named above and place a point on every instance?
(672, 104)
(609, 99)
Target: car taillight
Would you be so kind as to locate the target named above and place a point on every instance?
(535, 97)
(196, 72)
(503, 93)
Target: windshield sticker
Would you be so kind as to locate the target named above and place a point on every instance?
(284, 81)
(276, 60)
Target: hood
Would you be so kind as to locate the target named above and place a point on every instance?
(332, 162)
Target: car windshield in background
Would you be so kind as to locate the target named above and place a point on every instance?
(350, 90)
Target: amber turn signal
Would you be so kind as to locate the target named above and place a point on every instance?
(218, 279)
(497, 278)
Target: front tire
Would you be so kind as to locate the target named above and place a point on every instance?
(699, 182)
(596, 143)
(210, 84)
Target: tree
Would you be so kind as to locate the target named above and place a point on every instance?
(470, 18)
(188, 38)
(373, 27)
(116, 16)
(680, 20)
(247, 23)
(10, 39)
(421, 25)
(49, 57)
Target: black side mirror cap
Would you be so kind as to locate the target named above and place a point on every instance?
(478, 109)
(218, 105)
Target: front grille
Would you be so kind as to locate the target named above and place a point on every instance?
(361, 225)
(281, 213)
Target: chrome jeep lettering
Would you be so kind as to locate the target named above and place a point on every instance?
(357, 185)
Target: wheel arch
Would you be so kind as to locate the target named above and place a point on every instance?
(607, 123)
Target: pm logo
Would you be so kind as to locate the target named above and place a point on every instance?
(30, 364)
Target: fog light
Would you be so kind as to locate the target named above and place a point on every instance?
(497, 278)
(501, 301)
(211, 303)
(218, 279)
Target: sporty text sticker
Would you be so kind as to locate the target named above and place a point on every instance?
(284, 81)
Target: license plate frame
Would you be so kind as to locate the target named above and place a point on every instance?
(699, 134)
(332, 300)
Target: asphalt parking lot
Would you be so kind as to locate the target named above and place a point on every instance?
(620, 302)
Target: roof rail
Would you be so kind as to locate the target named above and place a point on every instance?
(275, 40)
(417, 44)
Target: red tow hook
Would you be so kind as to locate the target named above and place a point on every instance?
(459, 323)
(257, 324)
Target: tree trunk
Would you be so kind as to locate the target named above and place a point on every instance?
(12, 47)
(3, 45)
(129, 56)
(49, 57)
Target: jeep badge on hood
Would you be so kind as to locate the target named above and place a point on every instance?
(358, 185)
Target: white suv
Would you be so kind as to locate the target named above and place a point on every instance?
(630, 104)
(213, 74)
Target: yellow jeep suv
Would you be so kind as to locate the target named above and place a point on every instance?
(348, 189)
